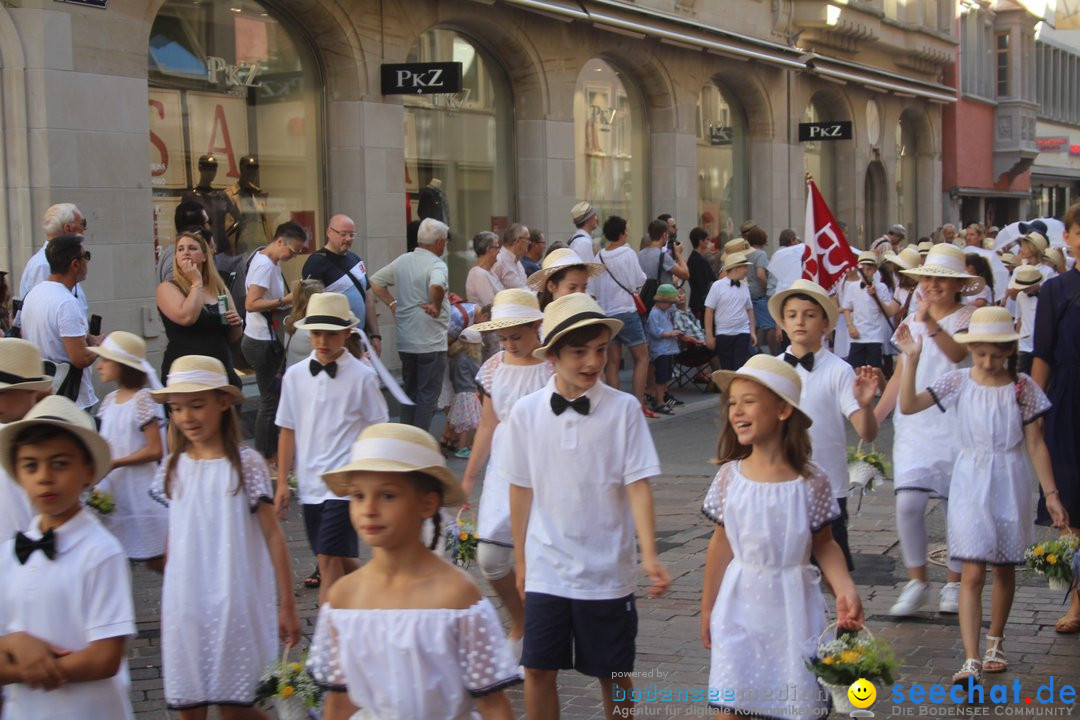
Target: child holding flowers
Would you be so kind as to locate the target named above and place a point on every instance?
(991, 515)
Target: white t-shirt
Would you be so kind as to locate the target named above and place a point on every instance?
(1025, 313)
(327, 414)
(80, 596)
(50, 313)
(581, 243)
(786, 265)
(265, 273)
(865, 313)
(828, 397)
(621, 262)
(15, 512)
(985, 294)
(729, 304)
(580, 539)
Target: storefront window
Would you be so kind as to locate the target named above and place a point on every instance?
(819, 157)
(721, 162)
(907, 176)
(459, 165)
(234, 105)
(609, 145)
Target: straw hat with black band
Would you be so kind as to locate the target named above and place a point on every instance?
(21, 367)
(195, 374)
(395, 448)
(511, 308)
(991, 324)
(769, 372)
(571, 312)
(947, 261)
(328, 311)
(58, 411)
(803, 287)
(561, 259)
(734, 260)
(1026, 276)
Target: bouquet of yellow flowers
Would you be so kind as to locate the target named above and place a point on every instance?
(100, 502)
(461, 541)
(866, 466)
(290, 686)
(1054, 560)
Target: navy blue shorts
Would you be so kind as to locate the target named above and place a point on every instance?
(329, 530)
(594, 637)
(662, 366)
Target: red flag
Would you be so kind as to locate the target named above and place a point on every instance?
(828, 256)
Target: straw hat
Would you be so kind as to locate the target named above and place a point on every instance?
(511, 308)
(803, 287)
(868, 257)
(328, 311)
(1057, 257)
(946, 260)
(1037, 240)
(771, 372)
(666, 293)
(58, 411)
(395, 448)
(989, 324)
(737, 245)
(734, 260)
(905, 260)
(570, 312)
(581, 212)
(561, 259)
(195, 374)
(21, 367)
(1009, 259)
(1025, 276)
(924, 247)
(124, 348)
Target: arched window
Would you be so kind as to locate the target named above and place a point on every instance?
(609, 145)
(229, 82)
(721, 162)
(459, 162)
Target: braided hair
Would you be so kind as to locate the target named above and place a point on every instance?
(427, 484)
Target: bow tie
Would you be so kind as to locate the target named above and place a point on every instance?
(24, 546)
(316, 368)
(862, 285)
(734, 283)
(559, 404)
(807, 361)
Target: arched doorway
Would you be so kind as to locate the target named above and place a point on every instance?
(721, 161)
(877, 204)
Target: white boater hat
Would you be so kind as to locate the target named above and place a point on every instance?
(57, 410)
(195, 374)
(560, 259)
(328, 311)
(946, 260)
(991, 324)
(512, 307)
(570, 312)
(770, 372)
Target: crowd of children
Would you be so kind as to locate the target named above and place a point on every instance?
(203, 509)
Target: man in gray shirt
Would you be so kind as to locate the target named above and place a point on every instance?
(650, 257)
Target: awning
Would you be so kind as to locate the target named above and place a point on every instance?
(989, 193)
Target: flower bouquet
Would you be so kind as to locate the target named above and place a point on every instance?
(865, 467)
(291, 688)
(845, 659)
(1054, 559)
(100, 502)
(461, 541)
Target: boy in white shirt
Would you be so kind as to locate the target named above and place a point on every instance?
(831, 389)
(1024, 286)
(578, 489)
(865, 311)
(23, 383)
(66, 610)
(325, 403)
(729, 314)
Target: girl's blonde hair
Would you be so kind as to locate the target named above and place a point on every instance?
(795, 441)
(210, 278)
(230, 436)
(303, 292)
(473, 350)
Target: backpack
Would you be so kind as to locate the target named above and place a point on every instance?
(236, 279)
(648, 289)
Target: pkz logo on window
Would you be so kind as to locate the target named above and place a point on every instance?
(812, 132)
(421, 78)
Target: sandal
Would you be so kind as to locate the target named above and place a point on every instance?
(662, 410)
(971, 668)
(647, 412)
(994, 660)
(313, 580)
(1067, 625)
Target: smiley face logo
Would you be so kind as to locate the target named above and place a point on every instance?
(862, 693)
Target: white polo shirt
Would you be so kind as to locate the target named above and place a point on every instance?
(580, 542)
(729, 304)
(868, 318)
(15, 513)
(265, 273)
(81, 596)
(327, 414)
(1025, 315)
(828, 397)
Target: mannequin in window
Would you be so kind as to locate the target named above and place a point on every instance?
(221, 209)
(252, 230)
(433, 202)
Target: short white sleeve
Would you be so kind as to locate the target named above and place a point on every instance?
(716, 497)
(263, 273)
(515, 465)
(640, 461)
(822, 506)
(486, 377)
(256, 478)
(437, 275)
(845, 397)
(883, 293)
(110, 611)
(373, 404)
(946, 389)
(286, 413)
(1033, 401)
(487, 664)
(146, 410)
(157, 487)
(324, 657)
(71, 320)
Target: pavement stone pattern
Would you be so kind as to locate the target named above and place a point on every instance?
(669, 649)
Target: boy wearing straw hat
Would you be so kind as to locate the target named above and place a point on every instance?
(663, 344)
(325, 403)
(865, 312)
(22, 384)
(66, 610)
(578, 490)
(729, 313)
(1024, 287)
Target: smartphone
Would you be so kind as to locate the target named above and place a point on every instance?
(95, 324)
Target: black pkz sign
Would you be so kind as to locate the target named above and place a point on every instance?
(810, 132)
(421, 78)
(92, 3)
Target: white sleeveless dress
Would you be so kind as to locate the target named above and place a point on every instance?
(505, 384)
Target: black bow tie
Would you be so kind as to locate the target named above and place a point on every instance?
(559, 404)
(807, 361)
(734, 283)
(24, 546)
(316, 368)
(862, 285)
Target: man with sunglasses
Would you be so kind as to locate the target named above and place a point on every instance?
(60, 219)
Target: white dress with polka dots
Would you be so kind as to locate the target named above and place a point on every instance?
(425, 663)
(505, 384)
(769, 611)
(991, 514)
(218, 608)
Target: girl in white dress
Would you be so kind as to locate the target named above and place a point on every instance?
(991, 510)
(505, 378)
(921, 467)
(408, 635)
(226, 552)
(131, 422)
(772, 508)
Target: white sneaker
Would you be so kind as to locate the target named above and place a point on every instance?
(911, 599)
(950, 598)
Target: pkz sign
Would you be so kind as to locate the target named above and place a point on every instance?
(812, 132)
(421, 78)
